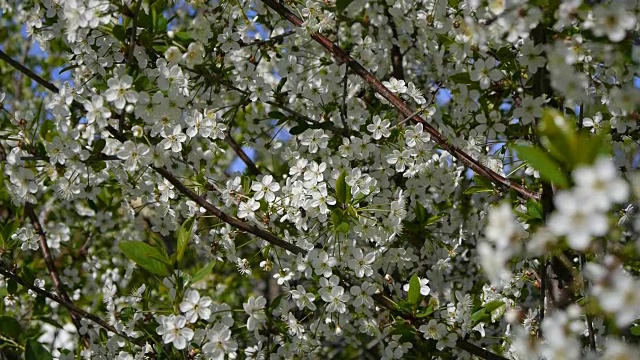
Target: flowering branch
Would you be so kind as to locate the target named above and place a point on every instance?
(399, 104)
(67, 304)
(263, 234)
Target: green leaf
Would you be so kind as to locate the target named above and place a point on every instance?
(340, 222)
(421, 212)
(425, 312)
(119, 33)
(490, 306)
(183, 36)
(9, 229)
(12, 286)
(145, 21)
(434, 219)
(46, 127)
(414, 290)
(482, 181)
(98, 146)
(541, 161)
(146, 256)
(281, 84)
(461, 78)
(342, 4)
(200, 274)
(70, 67)
(184, 234)
(558, 136)
(407, 332)
(35, 351)
(298, 129)
(534, 209)
(274, 304)
(475, 189)
(276, 115)
(341, 188)
(343, 227)
(10, 327)
(589, 147)
(478, 315)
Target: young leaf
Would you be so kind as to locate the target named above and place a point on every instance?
(414, 289)
(489, 307)
(203, 272)
(425, 312)
(541, 161)
(534, 209)
(184, 234)
(146, 256)
(421, 212)
(558, 136)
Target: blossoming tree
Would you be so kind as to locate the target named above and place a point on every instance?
(337, 178)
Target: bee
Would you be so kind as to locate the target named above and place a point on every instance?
(303, 212)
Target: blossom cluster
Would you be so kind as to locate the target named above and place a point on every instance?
(263, 179)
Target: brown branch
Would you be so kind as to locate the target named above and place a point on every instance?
(48, 260)
(399, 104)
(72, 308)
(233, 221)
(396, 54)
(266, 41)
(46, 252)
(253, 169)
(29, 73)
(477, 350)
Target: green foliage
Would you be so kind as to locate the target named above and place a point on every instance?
(540, 160)
(414, 290)
(184, 234)
(36, 351)
(146, 256)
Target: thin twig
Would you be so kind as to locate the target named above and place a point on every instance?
(83, 314)
(48, 260)
(28, 72)
(268, 40)
(253, 169)
(343, 109)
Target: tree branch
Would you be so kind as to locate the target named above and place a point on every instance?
(48, 260)
(267, 40)
(253, 169)
(16, 65)
(399, 104)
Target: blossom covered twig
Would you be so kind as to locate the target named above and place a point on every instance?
(402, 107)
